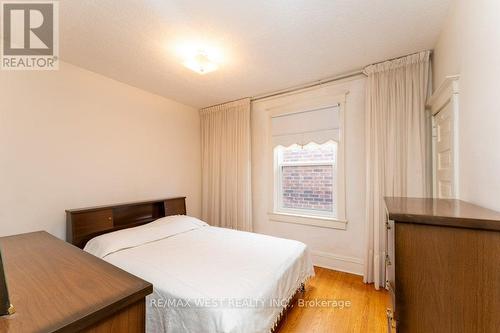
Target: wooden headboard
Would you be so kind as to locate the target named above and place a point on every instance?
(86, 223)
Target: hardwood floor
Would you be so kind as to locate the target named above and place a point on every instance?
(365, 314)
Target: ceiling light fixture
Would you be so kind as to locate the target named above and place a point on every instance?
(201, 63)
(201, 56)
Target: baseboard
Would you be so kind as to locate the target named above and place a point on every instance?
(337, 262)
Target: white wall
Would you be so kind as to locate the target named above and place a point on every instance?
(333, 248)
(469, 45)
(72, 138)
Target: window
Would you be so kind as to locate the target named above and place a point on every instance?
(308, 179)
(305, 179)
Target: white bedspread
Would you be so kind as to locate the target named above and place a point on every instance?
(208, 279)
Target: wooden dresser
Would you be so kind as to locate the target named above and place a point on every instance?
(443, 266)
(56, 287)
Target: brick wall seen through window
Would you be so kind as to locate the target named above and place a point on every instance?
(307, 178)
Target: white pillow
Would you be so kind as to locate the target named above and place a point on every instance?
(164, 227)
(178, 219)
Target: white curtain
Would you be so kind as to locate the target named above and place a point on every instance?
(226, 182)
(397, 145)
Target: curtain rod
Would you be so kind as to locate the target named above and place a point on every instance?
(396, 58)
(317, 83)
(324, 81)
(308, 85)
(296, 88)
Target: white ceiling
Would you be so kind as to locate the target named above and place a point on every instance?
(269, 44)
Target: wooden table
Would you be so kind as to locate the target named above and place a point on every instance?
(56, 287)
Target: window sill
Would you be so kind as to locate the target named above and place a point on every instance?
(323, 222)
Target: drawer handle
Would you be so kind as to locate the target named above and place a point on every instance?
(391, 322)
(387, 260)
(110, 218)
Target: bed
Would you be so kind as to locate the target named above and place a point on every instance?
(205, 279)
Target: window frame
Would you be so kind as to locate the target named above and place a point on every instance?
(298, 106)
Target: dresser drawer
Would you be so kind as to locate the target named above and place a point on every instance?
(390, 273)
(390, 253)
(391, 321)
(391, 312)
(390, 288)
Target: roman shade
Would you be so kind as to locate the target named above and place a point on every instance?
(318, 126)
